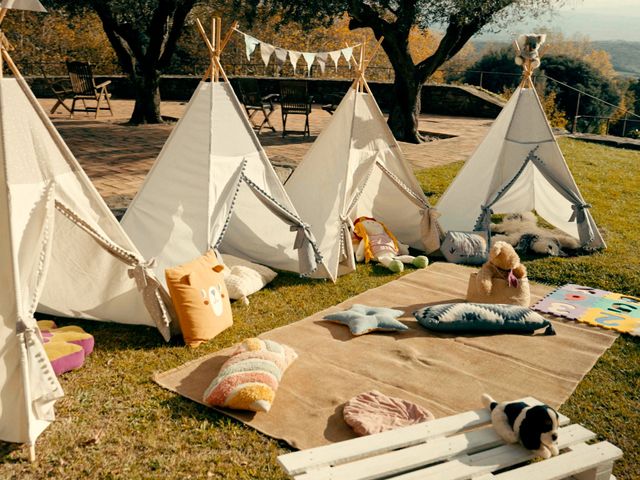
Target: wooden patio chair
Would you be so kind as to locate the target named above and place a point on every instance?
(85, 89)
(295, 100)
(61, 91)
(254, 102)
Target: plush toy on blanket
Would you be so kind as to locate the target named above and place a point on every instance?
(503, 263)
(376, 242)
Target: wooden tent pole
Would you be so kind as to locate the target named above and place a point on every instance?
(203, 34)
(215, 47)
(218, 43)
(3, 13)
(214, 77)
(373, 54)
(218, 36)
(361, 63)
(353, 60)
(227, 37)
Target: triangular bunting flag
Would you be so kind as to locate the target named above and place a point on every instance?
(281, 55)
(321, 58)
(309, 57)
(250, 45)
(293, 58)
(347, 53)
(266, 50)
(335, 56)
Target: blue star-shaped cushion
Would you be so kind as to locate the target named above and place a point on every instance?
(362, 319)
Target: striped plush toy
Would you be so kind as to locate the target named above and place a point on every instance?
(250, 378)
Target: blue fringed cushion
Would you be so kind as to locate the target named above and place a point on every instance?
(480, 317)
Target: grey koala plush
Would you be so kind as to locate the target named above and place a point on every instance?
(528, 48)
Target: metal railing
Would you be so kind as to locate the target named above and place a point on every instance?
(630, 120)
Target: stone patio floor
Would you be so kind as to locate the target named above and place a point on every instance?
(117, 157)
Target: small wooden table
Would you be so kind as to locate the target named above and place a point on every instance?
(463, 446)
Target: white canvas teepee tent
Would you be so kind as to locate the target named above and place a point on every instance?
(61, 251)
(212, 186)
(519, 167)
(356, 168)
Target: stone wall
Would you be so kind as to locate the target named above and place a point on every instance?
(461, 100)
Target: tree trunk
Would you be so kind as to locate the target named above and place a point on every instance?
(403, 116)
(146, 87)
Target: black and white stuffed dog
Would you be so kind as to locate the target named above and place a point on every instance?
(535, 427)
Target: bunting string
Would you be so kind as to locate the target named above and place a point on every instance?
(267, 51)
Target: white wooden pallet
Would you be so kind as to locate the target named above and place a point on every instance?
(463, 446)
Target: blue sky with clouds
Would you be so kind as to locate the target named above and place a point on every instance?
(598, 19)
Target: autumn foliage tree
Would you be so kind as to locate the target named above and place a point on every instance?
(395, 20)
(143, 34)
(43, 41)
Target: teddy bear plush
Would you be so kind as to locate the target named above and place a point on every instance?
(503, 263)
(375, 242)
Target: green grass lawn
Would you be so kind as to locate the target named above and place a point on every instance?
(114, 422)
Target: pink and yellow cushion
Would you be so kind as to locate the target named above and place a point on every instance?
(66, 347)
(250, 378)
(200, 298)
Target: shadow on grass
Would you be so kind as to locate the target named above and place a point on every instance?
(182, 407)
(116, 336)
(6, 449)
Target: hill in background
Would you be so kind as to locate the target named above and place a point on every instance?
(625, 56)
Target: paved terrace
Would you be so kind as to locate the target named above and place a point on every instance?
(118, 157)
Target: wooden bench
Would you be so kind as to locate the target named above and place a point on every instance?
(463, 446)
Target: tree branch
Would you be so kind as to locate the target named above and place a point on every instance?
(177, 26)
(460, 29)
(124, 54)
(157, 31)
(454, 39)
(362, 15)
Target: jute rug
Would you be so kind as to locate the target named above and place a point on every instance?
(444, 373)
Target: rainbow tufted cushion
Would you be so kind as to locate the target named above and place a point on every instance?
(66, 347)
(249, 379)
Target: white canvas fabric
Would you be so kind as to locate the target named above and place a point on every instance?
(281, 55)
(250, 45)
(518, 167)
(61, 251)
(321, 58)
(347, 53)
(309, 58)
(212, 186)
(293, 58)
(266, 50)
(32, 5)
(356, 168)
(335, 56)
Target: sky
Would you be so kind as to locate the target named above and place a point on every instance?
(598, 19)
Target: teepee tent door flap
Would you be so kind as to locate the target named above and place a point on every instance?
(358, 169)
(212, 186)
(519, 167)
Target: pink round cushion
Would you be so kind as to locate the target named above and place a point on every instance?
(375, 412)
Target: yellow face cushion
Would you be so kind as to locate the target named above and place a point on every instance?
(200, 298)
